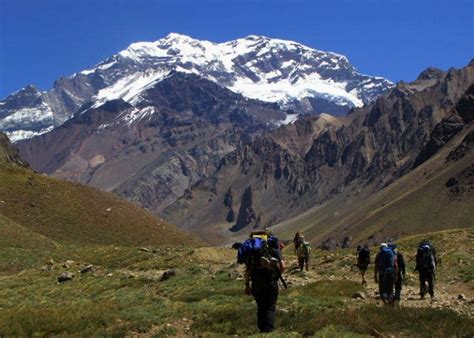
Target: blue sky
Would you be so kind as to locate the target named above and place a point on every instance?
(41, 40)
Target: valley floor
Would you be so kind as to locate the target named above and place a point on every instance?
(184, 291)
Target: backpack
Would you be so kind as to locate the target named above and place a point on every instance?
(255, 252)
(386, 260)
(304, 249)
(363, 256)
(425, 258)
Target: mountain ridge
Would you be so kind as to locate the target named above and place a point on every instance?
(297, 77)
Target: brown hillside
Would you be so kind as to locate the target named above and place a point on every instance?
(70, 212)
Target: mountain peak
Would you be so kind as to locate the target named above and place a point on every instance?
(177, 36)
(295, 76)
(431, 73)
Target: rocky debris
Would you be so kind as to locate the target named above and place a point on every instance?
(168, 274)
(463, 148)
(67, 264)
(346, 242)
(108, 209)
(65, 276)
(47, 268)
(235, 274)
(328, 244)
(144, 249)
(133, 275)
(461, 296)
(87, 268)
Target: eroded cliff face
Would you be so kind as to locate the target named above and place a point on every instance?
(304, 164)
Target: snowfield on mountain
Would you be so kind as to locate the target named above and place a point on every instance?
(296, 77)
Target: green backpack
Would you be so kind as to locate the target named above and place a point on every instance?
(305, 248)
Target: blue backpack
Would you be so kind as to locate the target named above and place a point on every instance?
(254, 248)
(386, 261)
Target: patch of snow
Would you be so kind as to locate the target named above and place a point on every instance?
(28, 116)
(135, 115)
(19, 135)
(129, 87)
(289, 119)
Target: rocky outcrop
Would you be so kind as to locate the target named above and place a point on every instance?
(444, 131)
(152, 153)
(9, 154)
(247, 213)
(370, 149)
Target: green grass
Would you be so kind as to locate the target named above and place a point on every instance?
(33, 304)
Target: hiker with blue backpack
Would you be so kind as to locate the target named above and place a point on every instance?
(426, 266)
(385, 272)
(401, 275)
(264, 266)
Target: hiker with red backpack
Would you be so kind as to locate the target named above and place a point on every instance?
(426, 267)
(264, 266)
(385, 272)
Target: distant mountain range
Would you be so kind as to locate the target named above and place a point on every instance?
(401, 165)
(301, 80)
(175, 127)
(209, 159)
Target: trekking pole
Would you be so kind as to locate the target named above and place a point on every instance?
(283, 282)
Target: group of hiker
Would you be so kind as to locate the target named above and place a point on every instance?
(390, 269)
(264, 266)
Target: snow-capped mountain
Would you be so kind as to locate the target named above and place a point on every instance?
(293, 75)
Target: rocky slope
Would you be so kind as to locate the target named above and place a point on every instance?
(43, 209)
(151, 153)
(285, 72)
(8, 153)
(272, 179)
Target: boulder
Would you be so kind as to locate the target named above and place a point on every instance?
(87, 268)
(65, 276)
(359, 295)
(461, 296)
(168, 274)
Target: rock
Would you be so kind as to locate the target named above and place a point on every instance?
(109, 275)
(234, 274)
(87, 268)
(65, 276)
(359, 295)
(246, 213)
(108, 209)
(132, 275)
(462, 296)
(168, 274)
(346, 242)
(46, 268)
(50, 262)
(67, 264)
(144, 249)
